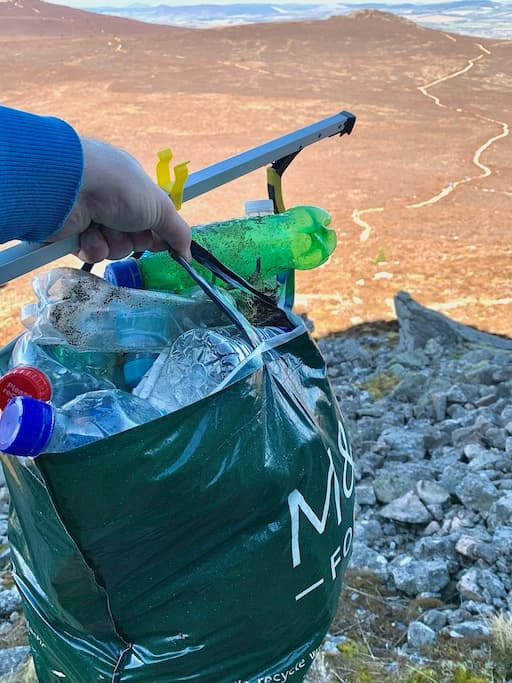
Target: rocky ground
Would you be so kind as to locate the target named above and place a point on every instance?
(428, 405)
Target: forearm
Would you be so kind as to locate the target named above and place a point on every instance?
(40, 174)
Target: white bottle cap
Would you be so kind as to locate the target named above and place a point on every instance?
(259, 206)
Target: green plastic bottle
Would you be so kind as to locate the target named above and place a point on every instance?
(257, 248)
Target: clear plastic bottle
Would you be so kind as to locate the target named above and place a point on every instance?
(257, 247)
(29, 427)
(197, 362)
(67, 381)
(84, 312)
(101, 364)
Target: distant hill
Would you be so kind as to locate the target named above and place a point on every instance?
(477, 17)
(37, 18)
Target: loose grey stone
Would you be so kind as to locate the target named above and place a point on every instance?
(466, 435)
(477, 492)
(475, 549)
(432, 528)
(485, 460)
(468, 586)
(502, 540)
(439, 403)
(351, 350)
(370, 411)
(473, 450)
(483, 374)
(408, 508)
(479, 609)
(10, 601)
(459, 413)
(431, 493)
(466, 629)
(487, 399)
(393, 482)
(500, 512)
(411, 387)
(456, 394)
(495, 437)
(369, 559)
(457, 615)
(435, 437)
(368, 531)
(462, 520)
(492, 586)
(420, 636)
(434, 618)
(414, 577)
(12, 659)
(452, 475)
(5, 628)
(436, 510)
(431, 548)
(404, 441)
(331, 643)
(365, 494)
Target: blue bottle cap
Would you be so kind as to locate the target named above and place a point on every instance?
(134, 369)
(26, 426)
(124, 273)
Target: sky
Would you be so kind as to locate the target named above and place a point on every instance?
(124, 3)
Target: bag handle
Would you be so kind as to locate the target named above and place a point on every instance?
(276, 316)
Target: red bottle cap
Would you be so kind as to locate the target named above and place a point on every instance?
(24, 381)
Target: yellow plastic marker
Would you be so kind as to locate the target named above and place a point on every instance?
(163, 177)
(275, 189)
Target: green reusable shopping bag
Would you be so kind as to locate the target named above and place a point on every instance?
(207, 546)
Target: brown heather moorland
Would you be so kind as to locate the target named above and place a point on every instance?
(420, 193)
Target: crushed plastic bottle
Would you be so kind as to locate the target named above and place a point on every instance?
(66, 381)
(196, 363)
(83, 311)
(256, 247)
(101, 364)
(29, 427)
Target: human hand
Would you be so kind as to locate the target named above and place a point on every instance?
(119, 209)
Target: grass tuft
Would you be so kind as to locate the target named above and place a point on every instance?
(501, 643)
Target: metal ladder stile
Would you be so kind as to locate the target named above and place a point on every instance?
(23, 257)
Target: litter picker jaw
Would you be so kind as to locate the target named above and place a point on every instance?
(279, 153)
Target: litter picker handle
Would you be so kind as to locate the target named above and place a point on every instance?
(24, 257)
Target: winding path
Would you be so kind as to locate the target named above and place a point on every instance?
(367, 228)
(451, 186)
(476, 160)
(423, 88)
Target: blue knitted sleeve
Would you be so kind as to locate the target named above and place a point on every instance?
(41, 167)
